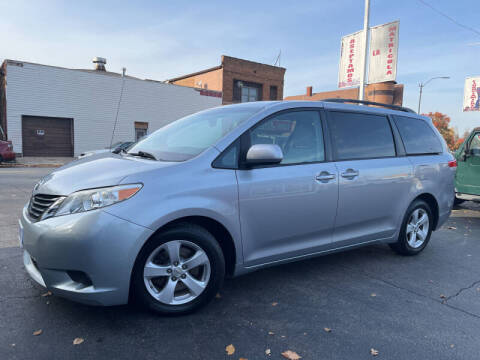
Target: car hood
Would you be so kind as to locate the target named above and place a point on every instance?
(105, 169)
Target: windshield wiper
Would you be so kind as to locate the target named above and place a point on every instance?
(144, 154)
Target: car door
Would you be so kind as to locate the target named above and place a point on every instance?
(373, 181)
(468, 169)
(287, 210)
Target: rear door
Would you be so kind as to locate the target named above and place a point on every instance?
(468, 170)
(288, 210)
(373, 180)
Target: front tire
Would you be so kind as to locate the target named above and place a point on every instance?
(416, 229)
(179, 270)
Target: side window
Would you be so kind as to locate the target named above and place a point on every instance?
(475, 143)
(360, 136)
(417, 136)
(298, 133)
(229, 158)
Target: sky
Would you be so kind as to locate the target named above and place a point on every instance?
(163, 39)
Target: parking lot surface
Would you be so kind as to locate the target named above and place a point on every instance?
(339, 306)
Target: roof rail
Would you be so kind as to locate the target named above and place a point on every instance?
(365, 102)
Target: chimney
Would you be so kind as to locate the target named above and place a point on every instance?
(99, 63)
(309, 91)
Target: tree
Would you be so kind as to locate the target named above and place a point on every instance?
(442, 123)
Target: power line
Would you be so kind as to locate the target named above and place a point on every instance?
(450, 18)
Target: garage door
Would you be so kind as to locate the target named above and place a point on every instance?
(47, 136)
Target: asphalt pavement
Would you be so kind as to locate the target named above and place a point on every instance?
(339, 306)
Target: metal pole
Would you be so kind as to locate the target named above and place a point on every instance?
(366, 36)
(420, 97)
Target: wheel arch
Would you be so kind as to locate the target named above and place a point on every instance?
(216, 228)
(433, 204)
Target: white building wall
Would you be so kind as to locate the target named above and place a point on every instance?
(91, 100)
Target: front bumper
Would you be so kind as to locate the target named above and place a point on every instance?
(86, 257)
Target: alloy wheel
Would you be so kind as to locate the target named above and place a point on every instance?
(417, 228)
(177, 272)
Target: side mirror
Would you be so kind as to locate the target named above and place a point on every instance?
(264, 154)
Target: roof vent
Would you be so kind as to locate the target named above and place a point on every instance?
(99, 63)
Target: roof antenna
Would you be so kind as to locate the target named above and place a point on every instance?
(277, 61)
(118, 106)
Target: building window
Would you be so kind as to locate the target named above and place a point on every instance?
(273, 92)
(141, 130)
(244, 91)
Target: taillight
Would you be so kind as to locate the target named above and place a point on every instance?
(452, 163)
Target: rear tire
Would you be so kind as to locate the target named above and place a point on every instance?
(416, 229)
(178, 270)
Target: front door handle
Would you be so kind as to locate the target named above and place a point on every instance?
(325, 176)
(350, 174)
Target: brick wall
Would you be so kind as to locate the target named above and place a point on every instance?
(249, 71)
(211, 80)
(386, 93)
(222, 77)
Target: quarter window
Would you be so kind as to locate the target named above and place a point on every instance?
(360, 136)
(418, 137)
(298, 133)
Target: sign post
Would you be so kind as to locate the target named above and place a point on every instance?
(365, 34)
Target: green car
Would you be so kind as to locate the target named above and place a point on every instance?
(467, 179)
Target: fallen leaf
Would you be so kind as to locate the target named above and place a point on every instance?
(268, 352)
(327, 329)
(373, 352)
(218, 296)
(451, 228)
(48, 293)
(373, 294)
(291, 355)
(37, 332)
(230, 349)
(274, 303)
(271, 333)
(242, 359)
(78, 341)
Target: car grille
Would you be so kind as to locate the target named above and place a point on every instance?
(39, 204)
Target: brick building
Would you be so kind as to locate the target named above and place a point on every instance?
(386, 93)
(238, 80)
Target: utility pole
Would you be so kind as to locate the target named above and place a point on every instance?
(366, 36)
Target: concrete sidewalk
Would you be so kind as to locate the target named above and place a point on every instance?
(34, 161)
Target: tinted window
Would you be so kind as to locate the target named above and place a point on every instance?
(417, 136)
(298, 133)
(360, 136)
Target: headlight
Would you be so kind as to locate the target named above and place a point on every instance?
(86, 200)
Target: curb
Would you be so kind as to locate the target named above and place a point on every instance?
(17, 165)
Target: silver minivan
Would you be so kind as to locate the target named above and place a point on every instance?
(234, 189)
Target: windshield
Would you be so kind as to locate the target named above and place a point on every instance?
(186, 138)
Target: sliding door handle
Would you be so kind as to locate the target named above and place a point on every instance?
(350, 174)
